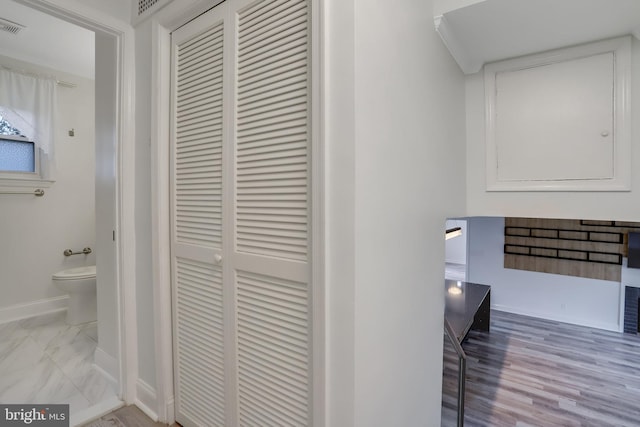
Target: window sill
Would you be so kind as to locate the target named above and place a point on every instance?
(11, 181)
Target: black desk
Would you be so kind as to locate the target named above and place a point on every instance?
(467, 306)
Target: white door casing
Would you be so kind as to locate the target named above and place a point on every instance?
(241, 215)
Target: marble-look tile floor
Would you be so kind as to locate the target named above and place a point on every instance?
(44, 360)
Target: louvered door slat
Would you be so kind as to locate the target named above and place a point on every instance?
(272, 29)
(273, 113)
(261, 15)
(283, 143)
(259, 26)
(277, 223)
(201, 98)
(280, 58)
(207, 57)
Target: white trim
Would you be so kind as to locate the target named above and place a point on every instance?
(125, 217)
(160, 221)
(467, 63)
(621, 180)
(318, 296)
(33, 308)
(107, 364)
(21, 181)
(146, 399)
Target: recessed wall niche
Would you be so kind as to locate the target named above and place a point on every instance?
(559, 120)
(582, 248)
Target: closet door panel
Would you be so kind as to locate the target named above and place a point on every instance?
(271, 146)
(197, 144)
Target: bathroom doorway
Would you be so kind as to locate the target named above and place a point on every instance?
(102, 345)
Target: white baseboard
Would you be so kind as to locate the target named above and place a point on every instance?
(170, 410)
(166, 409)
(108, 365)
(554, 317)
(146, 399)
(94, 412)
(34, 308)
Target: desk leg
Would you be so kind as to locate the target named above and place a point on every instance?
(482, 319)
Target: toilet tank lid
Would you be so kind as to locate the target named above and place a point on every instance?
(76, 273)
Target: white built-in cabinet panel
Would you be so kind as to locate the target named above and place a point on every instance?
(559, 120)
(240, 215)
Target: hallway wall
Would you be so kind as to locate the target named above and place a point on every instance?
(394, 142)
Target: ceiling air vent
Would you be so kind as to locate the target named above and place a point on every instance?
(10, 26)
(143, 5)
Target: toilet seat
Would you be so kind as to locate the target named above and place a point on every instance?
(77, 273)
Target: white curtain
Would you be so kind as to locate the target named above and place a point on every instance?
(28, 103)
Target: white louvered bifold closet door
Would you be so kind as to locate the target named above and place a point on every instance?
(241, 194)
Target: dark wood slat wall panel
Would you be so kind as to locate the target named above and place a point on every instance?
(533, 372)
(582, 248)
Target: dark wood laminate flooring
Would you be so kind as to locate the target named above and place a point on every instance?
(533, 372)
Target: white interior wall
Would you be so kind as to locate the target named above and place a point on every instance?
(388, 197)
(339, 136)
(586, 205)
(119, 9)
(577, 300)
(36, 230)
(442, 6)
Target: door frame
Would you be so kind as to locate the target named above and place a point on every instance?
(125, 367)
(166, 20)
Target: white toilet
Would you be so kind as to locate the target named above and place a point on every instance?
(80, 284)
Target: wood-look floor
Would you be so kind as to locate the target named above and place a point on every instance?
(128, 416)
(533, 372)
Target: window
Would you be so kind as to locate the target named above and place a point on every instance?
(27, 131)
(17, 153)
(19, 157)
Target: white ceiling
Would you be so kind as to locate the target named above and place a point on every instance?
(483, 31)
(47, 41)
